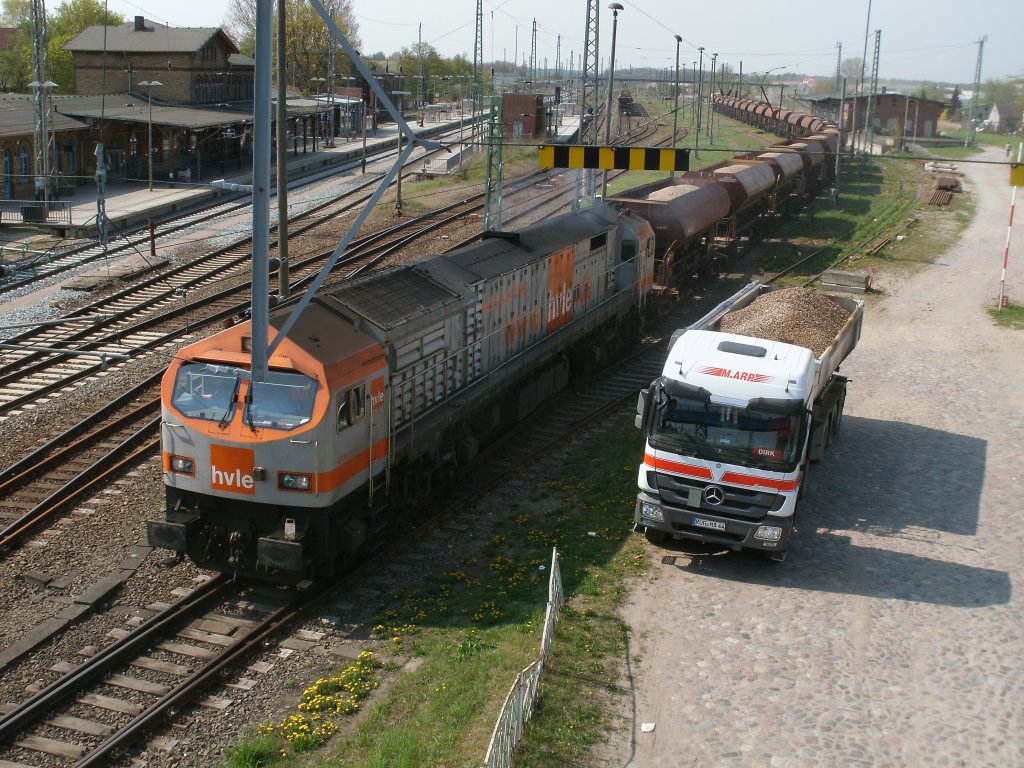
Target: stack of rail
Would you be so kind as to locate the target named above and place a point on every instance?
(945, 186)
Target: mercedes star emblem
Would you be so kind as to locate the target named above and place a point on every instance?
(714, 495)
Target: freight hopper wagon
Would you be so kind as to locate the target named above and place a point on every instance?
(685, 219)
(381, 391)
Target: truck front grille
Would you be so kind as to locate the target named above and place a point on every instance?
(688, 493)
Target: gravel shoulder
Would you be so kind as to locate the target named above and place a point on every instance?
(891, 636)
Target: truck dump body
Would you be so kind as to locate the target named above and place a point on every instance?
(827, 325)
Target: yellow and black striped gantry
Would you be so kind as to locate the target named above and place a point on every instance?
(613, 158)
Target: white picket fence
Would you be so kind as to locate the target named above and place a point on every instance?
(518, 706)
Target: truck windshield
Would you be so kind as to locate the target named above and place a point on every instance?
(206, 391)
(284, 401)
(746, 436)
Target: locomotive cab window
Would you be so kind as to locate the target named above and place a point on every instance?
(206, 391)
(628, 250)
(351, 406)
(284, 401)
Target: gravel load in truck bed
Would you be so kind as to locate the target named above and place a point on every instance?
(794, 315)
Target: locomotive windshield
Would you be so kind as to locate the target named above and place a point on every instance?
(284, 401)
(206, 391)
(753, 436)
(210, 392)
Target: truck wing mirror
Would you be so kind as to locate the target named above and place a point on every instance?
(641, 408)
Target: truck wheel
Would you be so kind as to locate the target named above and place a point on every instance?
(655, 536)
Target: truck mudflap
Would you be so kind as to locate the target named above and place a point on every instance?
(770, 534)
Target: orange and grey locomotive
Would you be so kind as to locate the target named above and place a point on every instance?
(382, 389)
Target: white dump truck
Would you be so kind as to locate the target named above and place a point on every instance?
(748, 397)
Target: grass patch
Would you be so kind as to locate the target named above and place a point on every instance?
(1012, 316)
(253, 751)
(474, 624)
(877, 197)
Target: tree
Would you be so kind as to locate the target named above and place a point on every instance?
(68, 21)
(61, 26)
(851, 69)
(306, 37)
(16, 61)
(1007, 93)
(423, 57)
(240, 24)
(14, 13)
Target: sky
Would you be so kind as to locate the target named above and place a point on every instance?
(934, 40)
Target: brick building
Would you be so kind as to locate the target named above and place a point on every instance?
(195, 65)
(919, 116)
(17, 147)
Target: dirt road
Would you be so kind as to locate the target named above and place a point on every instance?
(892, 636)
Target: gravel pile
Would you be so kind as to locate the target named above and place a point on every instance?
(793, 315)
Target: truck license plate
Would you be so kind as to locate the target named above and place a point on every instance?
(700, 522)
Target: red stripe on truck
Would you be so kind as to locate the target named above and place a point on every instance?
(677, 467)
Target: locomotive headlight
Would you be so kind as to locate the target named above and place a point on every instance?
(294, 481)
(182, 465)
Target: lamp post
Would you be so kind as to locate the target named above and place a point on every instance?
(615, 8)
(362, 119)
(711, 98)
(903, 136)
(693, 92)
(675, 109)
(917, 103)
(149, 95)
(700, 103)
(398, 192)
(316, 114)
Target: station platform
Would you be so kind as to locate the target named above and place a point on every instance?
(131, 203)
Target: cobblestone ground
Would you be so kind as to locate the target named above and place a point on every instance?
(892, 636)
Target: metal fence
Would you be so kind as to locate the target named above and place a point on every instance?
(444, 163)
(35, 212)
(518, 706)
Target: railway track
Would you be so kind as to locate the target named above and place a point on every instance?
(97, 708)
(165, 231)
(158, 312)
(78, 461)
(127, 323)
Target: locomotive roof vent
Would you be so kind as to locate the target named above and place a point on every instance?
(493, 234)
